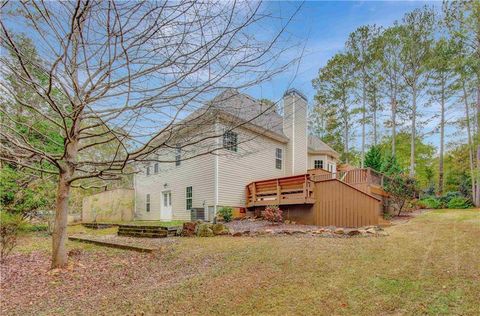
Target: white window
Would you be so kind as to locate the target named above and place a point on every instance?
(155, 167)
(318, 164)
(178, 155)
(147, 203)
(278, 158)
(189, 198)
(148, 170)
(167, 199)
(230, 141)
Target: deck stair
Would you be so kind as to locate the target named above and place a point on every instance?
(147, 231)
(94, 225)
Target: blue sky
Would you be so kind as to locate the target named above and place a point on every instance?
(324, 26)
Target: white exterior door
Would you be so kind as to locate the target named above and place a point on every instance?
(166, 206)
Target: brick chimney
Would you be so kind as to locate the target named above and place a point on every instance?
(295, 128)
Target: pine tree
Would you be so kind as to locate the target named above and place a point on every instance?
(374, 158)
(334, 86)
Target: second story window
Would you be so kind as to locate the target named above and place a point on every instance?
(278, 158)
(155, 167)
(318, 164)
(230, 141)
(178, 155)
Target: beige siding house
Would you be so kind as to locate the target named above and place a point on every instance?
(265, 145)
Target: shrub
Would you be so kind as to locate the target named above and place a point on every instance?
(38, 227)
(9, 229)
(459, 202)
(273, 214)
(226, 212)
(445, 199)
(431, 202)
(401, 189)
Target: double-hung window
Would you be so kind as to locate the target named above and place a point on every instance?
(148, 170)
(278, 158)
(155, 167)
(178, 155)
(188, 198)
(230, 141)
(318, 164)
(147, 203)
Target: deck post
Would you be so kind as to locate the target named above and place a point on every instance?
(305, 187)
(254, 193)
(278, 192)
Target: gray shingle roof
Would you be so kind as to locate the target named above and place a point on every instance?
(317, 145)
(247, 108)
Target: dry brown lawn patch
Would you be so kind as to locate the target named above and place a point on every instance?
(428, 265)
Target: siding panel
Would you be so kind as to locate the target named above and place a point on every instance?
(339, 204)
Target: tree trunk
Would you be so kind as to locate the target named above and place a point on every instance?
(345, 149)
(362, 162)
(375, 118)
(470, 143)
(375, 127)
(442, 136)
(394, 127)
(59, 252)
(477, 190)
(414, 122)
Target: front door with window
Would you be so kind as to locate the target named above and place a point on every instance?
(166, 208)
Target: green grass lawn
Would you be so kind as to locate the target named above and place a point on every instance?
(428, 265)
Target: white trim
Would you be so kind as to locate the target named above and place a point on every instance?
(293, 134)
(135, 196)
(216, 177)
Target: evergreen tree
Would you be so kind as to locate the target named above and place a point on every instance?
(334, 87)
(373, 158)
(416, 42)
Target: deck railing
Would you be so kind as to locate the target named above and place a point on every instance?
(354, 176)
(280, 191)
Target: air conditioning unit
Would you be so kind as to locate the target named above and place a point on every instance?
(198, 213)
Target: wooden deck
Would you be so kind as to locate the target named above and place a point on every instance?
(365, 179)
(280, 191)
(322, 198)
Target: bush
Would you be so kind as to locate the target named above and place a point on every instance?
(459, 203)
(28, 227)
(445, 199)
(431, 202)
(9, 229)
(402, 189)
(273, 214)
(226, 212)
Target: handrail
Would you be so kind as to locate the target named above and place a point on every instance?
(280, 190)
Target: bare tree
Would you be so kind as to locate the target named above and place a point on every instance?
(130, 75)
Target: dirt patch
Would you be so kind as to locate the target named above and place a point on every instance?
(406, 217)
(255, 226)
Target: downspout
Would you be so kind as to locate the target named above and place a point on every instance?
(215, 185)
(293, 134)
(135, 196)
